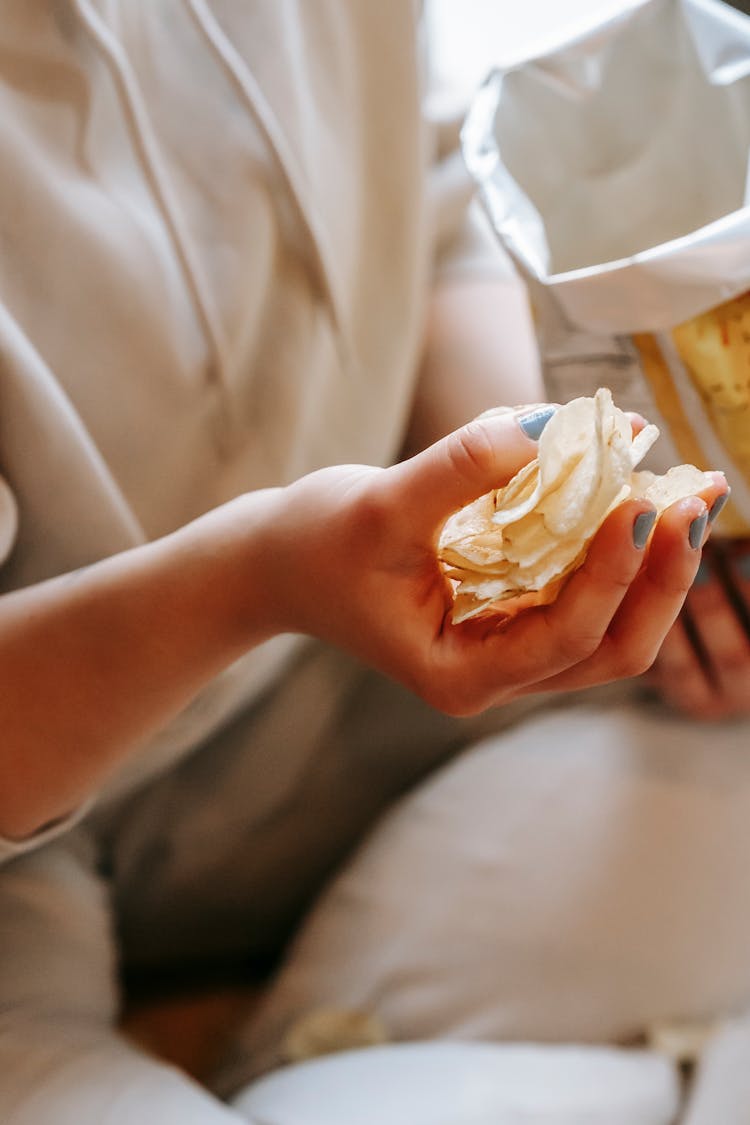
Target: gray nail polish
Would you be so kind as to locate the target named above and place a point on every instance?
(534, 423)
(717, 505)
(742, 566)
(642, 525)
(697, 531)
(703, 574)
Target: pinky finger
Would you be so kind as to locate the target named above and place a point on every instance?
(651, 604)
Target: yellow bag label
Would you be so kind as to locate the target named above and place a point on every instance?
(699, 375)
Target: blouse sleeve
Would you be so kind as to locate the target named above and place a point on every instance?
(11, 848)
(465, 245)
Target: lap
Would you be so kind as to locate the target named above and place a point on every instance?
(62, 1061)
(221, 857)
(578, 878)
(57, 951)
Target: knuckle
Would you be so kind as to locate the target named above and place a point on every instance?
(639, 664)
(572, 644)
(615, 573)
(374, 514)
(622, 582)
(457, 699)
(456, 704)
(461, 708)
(635, 661)
(579, 646)
(470, 450)
(668, 582)
(734, 660)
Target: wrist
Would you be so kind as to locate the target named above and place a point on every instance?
(228, 559)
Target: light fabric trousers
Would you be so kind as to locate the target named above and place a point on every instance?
(61, 1060)
(582, 878)
(215, 860)
(577, 878)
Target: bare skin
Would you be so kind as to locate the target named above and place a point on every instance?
(91, 666)
(480, 352)
(703, 668)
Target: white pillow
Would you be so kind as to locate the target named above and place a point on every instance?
(469, 1084)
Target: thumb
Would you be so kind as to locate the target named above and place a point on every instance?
(482, 455)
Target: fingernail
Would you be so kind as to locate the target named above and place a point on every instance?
(533, 424)
(742, 566)
(718, 504)
(697, 531)
(703, 574)
(642, 525)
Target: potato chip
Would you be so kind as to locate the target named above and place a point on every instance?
(324, 1031)
(677, 483)
(517, 544)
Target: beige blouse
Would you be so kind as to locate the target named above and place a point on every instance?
(217, 225)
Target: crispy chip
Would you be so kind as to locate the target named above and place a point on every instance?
(514, 547)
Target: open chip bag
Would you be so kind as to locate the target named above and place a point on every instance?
(614, 170)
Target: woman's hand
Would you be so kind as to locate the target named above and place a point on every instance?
(93, 664)
(356, 565)
(703, 668)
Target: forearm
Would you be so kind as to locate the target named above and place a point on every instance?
(94, 663)
(479, 352)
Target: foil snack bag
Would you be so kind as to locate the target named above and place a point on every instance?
(614, 170)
